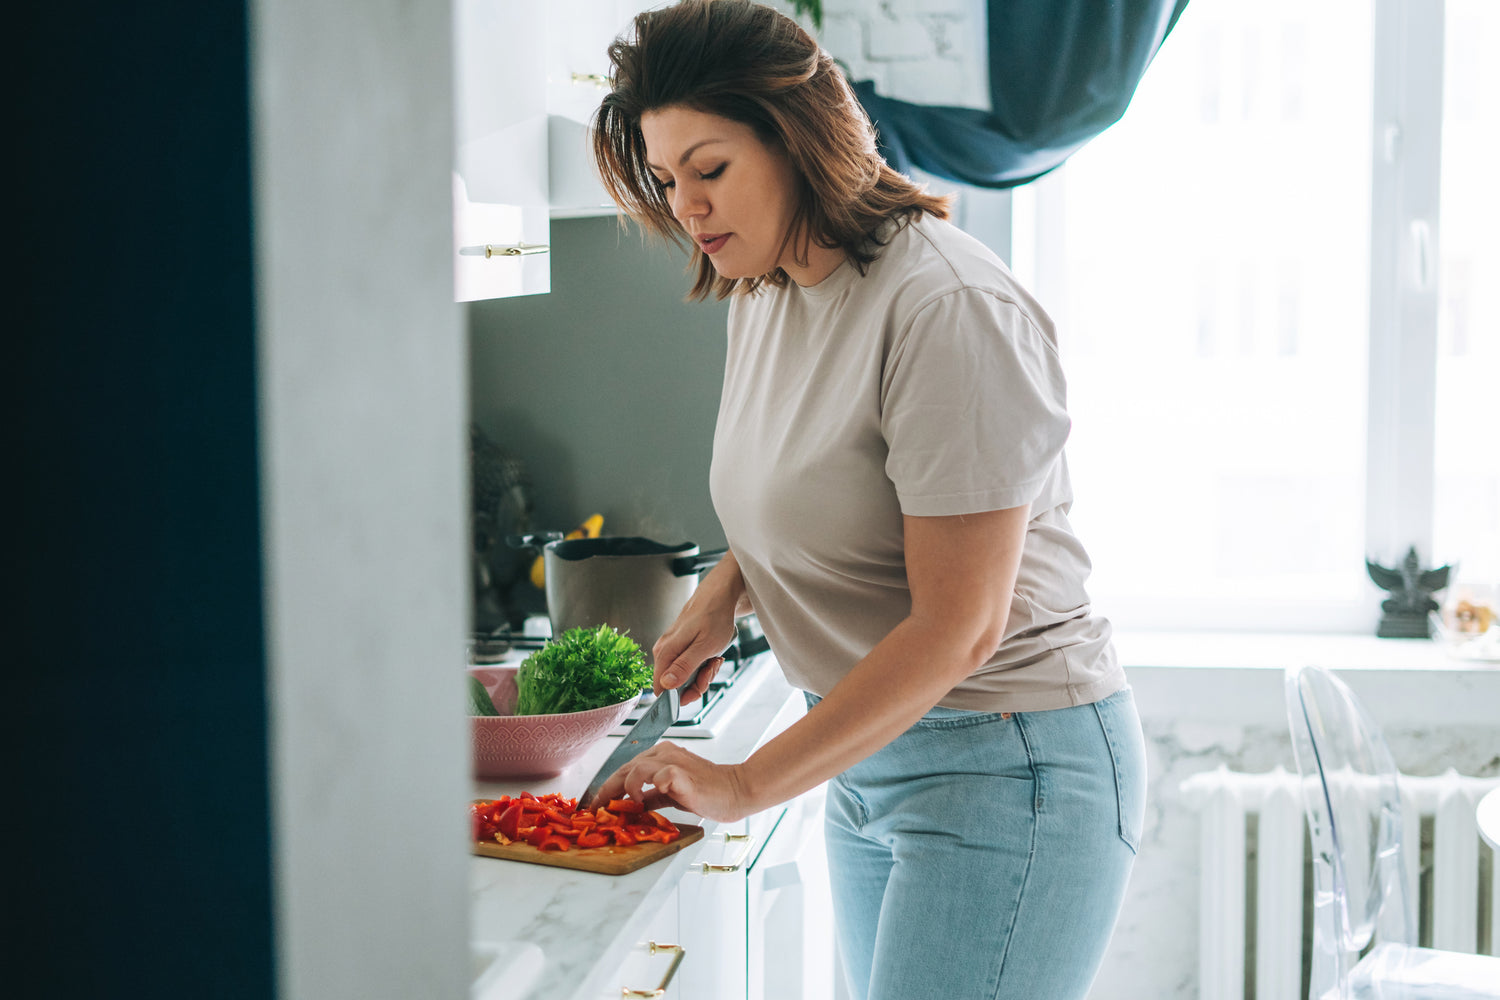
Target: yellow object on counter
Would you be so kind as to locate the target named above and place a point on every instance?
(590, 528)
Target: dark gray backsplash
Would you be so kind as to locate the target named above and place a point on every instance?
(606, 388)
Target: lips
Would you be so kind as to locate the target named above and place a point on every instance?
(712, 243)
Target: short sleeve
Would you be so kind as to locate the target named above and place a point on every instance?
(973, 406)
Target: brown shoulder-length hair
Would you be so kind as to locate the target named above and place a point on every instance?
(751, 64)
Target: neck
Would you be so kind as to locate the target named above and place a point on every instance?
(821, 262)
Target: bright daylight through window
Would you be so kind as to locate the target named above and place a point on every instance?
(1210, 262)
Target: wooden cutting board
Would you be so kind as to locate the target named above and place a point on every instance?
(604, 860)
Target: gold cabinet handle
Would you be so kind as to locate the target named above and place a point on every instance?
(737, 863)
(678, 954)
(597, 79)
(488, 250)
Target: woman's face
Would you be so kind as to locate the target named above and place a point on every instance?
(730, 191)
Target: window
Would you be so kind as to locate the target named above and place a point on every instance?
(1467, 417)
(1256, 296)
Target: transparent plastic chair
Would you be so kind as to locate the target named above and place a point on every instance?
(1364, 925)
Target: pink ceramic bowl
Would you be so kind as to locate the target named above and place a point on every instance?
(533, 746)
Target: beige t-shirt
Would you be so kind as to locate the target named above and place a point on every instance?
(929, 386)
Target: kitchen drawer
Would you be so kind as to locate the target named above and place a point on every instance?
(655, 961)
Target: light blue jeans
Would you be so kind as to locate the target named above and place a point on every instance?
(985, 856)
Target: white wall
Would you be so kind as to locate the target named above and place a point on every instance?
(926, 52)
(363, 413)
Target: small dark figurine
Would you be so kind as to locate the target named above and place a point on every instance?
(1410, 603)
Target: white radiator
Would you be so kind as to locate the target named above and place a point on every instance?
(1461, 898)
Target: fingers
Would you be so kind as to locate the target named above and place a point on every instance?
(676, 673)
(613, 788)
(618, 785)
(682, 650)
(647, 779)
(702, 680)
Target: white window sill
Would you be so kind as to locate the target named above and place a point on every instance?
(1279, 650)
(1219, 678)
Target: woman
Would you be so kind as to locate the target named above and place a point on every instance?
(888, 471)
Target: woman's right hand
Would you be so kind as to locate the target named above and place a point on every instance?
(702, 632)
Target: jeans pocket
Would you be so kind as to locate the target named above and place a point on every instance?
(957, 718)
(1127, 753)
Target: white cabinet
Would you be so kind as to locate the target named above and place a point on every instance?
(760, 927)
(789, 910)
(527, 80)
(501, 225)
(577, 79)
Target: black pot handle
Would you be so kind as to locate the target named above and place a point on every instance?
(536, 541)
(689, 565)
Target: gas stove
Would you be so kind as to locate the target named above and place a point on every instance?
(744, 664)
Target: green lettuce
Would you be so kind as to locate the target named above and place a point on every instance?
(581, 669)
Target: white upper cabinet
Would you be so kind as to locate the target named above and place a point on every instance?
(528, 78)
(501, 228)
(577, 79)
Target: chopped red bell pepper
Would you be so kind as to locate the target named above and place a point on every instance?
(662, 822)
(551, 822)
(552, 842)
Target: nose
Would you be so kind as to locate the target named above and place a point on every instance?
(688, 202)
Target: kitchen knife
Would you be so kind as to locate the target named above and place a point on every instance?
(642, 736)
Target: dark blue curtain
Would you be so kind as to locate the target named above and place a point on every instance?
(1061, 72)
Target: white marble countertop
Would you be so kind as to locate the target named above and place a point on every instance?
(564, 933)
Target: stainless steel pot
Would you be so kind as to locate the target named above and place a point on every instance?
(634, 584)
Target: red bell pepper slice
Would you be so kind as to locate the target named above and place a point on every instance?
(509, 822)
(623, 837)
(592, 839)
(626, 806)
(552, 842)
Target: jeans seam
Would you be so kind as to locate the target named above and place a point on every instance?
(861, 808)
(1036, 802)
(1114, 770)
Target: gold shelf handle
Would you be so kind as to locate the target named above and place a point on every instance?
(735, 865)
(597, 79)
(678, 954)
(488, 250)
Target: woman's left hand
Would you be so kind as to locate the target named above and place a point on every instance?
(667, 775)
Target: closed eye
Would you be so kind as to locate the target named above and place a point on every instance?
(711, 175)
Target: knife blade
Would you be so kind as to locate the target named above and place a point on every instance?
(642, 736)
